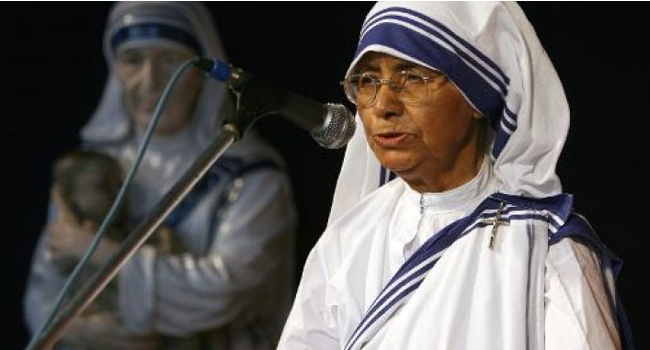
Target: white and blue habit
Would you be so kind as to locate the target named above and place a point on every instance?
(399, 269)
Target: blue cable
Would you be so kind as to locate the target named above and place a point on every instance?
(110, 217)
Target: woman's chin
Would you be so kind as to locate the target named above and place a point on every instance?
(397, 162)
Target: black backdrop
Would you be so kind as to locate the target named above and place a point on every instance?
(53, 74)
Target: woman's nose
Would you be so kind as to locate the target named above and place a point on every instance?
(387, 104)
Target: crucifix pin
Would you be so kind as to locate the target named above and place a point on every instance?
(496, 222)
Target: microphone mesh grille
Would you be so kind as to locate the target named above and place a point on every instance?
(338, 127)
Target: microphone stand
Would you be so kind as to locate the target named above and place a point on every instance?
(231, 132)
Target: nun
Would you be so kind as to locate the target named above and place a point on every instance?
(449, 228)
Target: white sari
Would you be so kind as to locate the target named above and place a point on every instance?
(532, 289)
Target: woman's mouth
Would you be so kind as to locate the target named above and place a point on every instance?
(389, 139)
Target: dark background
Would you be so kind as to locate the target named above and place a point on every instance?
(53, 74)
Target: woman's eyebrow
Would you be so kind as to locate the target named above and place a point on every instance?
(365, 66)
(404, 65)
(373, 66)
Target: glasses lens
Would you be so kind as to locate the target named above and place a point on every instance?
(350, 89)
(362, 88)
(411, 87)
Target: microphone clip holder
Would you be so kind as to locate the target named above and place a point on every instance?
(248, 109)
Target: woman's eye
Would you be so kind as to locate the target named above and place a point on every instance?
(366, 80)
(414, 78)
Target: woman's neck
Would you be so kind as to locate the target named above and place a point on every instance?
(459, 174)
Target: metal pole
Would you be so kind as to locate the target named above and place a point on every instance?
(137, 237)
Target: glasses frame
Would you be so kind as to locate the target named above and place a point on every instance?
(347, 86)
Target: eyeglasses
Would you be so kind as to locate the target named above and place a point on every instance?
(361, 89)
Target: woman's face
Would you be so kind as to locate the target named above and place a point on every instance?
(432, 144)
(144, 73)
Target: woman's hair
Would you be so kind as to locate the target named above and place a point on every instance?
(88, 182)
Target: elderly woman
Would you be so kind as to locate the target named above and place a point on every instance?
(227, 281)
(472, 245)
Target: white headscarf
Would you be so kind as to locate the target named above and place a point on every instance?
(491, 53)
(193, 27)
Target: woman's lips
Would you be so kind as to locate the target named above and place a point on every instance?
(390, 139)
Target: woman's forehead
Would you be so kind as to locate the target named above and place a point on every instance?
(372, 61)
(154, 47)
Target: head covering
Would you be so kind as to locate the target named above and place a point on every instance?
(141, 24)
(491, 53)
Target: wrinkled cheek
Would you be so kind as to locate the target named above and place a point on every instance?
(389, 158)
(379, 152)
(366, 130)
(404, 158)
(366, 125)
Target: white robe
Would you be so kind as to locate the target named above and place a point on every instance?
(473, 298)
(522, 294)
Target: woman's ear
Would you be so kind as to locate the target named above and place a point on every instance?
(476, 114)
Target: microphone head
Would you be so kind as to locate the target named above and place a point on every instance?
(337, 128)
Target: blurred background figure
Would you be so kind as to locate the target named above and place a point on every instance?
(224, 278)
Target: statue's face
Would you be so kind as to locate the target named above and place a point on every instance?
(144, 72)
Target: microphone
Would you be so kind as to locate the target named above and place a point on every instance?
(331, 125)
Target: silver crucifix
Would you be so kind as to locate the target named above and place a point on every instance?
(496, 222)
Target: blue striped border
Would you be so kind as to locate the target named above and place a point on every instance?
(154, 31)
(578, 226)
(227, 168)
(457, 64)
(446, 30)
(435, 244)
(385, 176)
(399, 298)
(459, 51)
(488, 100)
(558, 205)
